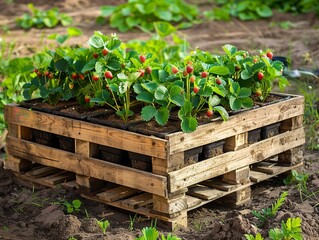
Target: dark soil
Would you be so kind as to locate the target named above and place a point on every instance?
(28, 212)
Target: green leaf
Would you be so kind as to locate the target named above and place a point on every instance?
(73, 32)
(175, 95)
(213, 100)
(222, 112)
(89, 66)
(161, 93)
(107, 11)
(114, 64)
(114, 43)
(245, 74)
(244, 92)
(65, 19)
(264, 11)
(283, 83)
(258, 66)
(234, 87)
(132, 21)
(162, 116)
(149, 86)
(145, 97)
(164, 29)
(164, 15)
(219, 70)
(162, 74)
(220, 90)
(96, 42)
(247, 102)
(230, 50)
(148, 112)
(234, 103)
(61, 65)
(76, 203)
(189, 124)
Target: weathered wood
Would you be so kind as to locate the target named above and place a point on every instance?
(59, 177)
(237, 198)
(112, 137)
(204, 192)
(238, 176)
(192, 201)
(291, 156)
(41, 171)
(230, 161)
(291, 124)
(116, 193)
(87, 184)
(236, 124)
(236, 142)
(86, 166)
(169, 206)
(215, 183)
(137, 201)
(17, 164)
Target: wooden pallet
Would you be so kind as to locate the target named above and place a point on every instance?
(173, 187)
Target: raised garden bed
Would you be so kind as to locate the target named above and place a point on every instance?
(173, 187)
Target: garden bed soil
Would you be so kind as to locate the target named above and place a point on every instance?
(33, 213)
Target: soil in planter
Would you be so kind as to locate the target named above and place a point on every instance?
(191, 156)
(141, 162)
(111, 119)
(269, 131)
(254, 136)
(113, 155)
(44, 138)
(80, 112)
(212, 150)
(66, 143)
(272, 98)
(152, 128)
(39, 105)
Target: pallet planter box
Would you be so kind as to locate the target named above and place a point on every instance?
(173, 187)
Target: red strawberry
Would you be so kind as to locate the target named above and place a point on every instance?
(95, 77)
(108, 74)
(204, 74)
(39, 74)
(269, 55)
(36, 70)
(255, 60)
(189, 69)
(46, 73)
(71, 85)
(196, 89)
(218, 81)
(81, 76)
(174, 70)
(51, 75)
(105, 51)
(237, 68)
(95, 55)
(209, 113)
(142, 72)
(260, 76)
(148, 70)
(74, 76)
(142, 58)
(87, 99)
(192, 79)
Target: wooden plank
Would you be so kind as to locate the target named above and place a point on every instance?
(292, 156)
(117, 193)
(86, 166)
(138, 200)
(69, 184)
(237, 124)
(291, 123)
(236, 142)
(41, 171)
(192, 201)
(214, 183)
(238, 176)
(59, 177)
(204, 192)
(169, 207)
(17, 164)
(230, 161)
(257, 176)
(112, 137)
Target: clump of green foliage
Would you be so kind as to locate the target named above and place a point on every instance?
(253, 10)
(271, 212)
(41, 19)
(151, 233)
(143, 13)
(289, 230)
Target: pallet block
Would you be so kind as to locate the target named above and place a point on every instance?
(172, 188)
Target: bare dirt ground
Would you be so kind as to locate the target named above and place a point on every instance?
(34, 213)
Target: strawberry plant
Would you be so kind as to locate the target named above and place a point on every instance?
(41, 19)
(142, 13)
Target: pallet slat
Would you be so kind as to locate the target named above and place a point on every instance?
(115, 194)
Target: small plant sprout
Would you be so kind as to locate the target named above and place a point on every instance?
(271, 212)
(103, 224)
(132, 221)
(74, 206)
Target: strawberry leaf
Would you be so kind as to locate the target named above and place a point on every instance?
(148, 112)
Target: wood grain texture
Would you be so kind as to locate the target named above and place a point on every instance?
(87, 166)
(230, 161)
